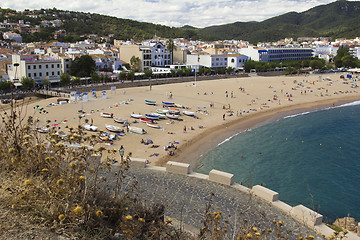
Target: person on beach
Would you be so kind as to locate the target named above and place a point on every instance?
(224, 116)
(184, 129)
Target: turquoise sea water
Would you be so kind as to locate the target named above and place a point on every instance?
(311, 159)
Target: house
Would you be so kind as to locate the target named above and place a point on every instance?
(12, 36)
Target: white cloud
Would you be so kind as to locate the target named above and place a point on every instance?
(176, 13)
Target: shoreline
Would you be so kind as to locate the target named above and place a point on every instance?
(191, 151)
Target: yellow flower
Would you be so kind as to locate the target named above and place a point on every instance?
(92, 170)
(21, 196)
(29, 149)
(72, 138)
(52, 141)
(11, 150)
(255, 229)
(72, 165)
(61, 217)
(141, 220)
(281, 222)
(203, 228)
(169, 220)
(331, 237)
(78, 210)
(60, 182)
(82, 178)
(300, 238)
(249, 235)
(99, 213)
(27, 182)
(59, 145)
(45, 170)
(257, 234)
(128, 217)
(25, 143)
(310, 237)
(26, 136)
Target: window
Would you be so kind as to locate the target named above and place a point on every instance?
(58, 73)
(52, 66)
(67, 65)
(34, 67)
(40, 74)
(29, 67)
(34, 74)
(29, 75)
(39, 66)
(53, 73)
(232, 60)
(47, 73)
(47, 66)
(58, 65)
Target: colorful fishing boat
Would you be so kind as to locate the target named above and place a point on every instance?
(162, 111)
(153, 125)
(43, 129)
(174, 110)
(150, 116)
(113, 128)
(172, 116)
(188, 113)
(145, 120)
(120, 120)
(168, 104)
(134, 115)
(148, 102)
(159, 115)
(106, 115)
(90, 127)
(137, 130)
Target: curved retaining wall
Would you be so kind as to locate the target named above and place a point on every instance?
(301, 213)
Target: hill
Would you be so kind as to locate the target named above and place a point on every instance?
(337, 19)
(340, 19)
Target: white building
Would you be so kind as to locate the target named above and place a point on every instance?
(34, 68)
(236, 61)
(12, 36)
(206, 60)
(254, 53)
(325, 51)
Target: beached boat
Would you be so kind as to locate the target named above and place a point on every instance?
(174, 110)
(162, 111)
(120, 120)
(150, 116)
(104, 136)
(179, 105)
(137, 130)
(134, 115)
(153, 125)
(61, 134)
(159, 115)
(43, 129)
(145, 120)
(106, 115)
(188, 113)
(172, 116)
(90, 127)
(148, 102)
(113, 128)
(168, 104)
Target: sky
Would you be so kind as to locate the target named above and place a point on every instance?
(176, 13)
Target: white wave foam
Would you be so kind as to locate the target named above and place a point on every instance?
(295, 115)
(350, 104)
(229, 138)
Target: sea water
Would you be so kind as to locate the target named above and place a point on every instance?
(311, 158)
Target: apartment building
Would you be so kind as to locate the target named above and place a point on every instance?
(150, 54)
(35, 68)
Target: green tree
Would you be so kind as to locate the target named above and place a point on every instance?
(122, 75)
(83, 66)
(65, 79)
(148, 73)
(135, 64)
(5, 86)
(317, 63)
(131, 75)
(27, 82)
(95, 78)
(170, 45)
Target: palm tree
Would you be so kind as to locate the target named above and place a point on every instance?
(171, 47)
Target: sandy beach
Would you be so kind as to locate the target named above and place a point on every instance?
(222, 107)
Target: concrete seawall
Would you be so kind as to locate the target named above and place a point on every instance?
(300, 213)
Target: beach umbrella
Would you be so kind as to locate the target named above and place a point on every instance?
(55, 124)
